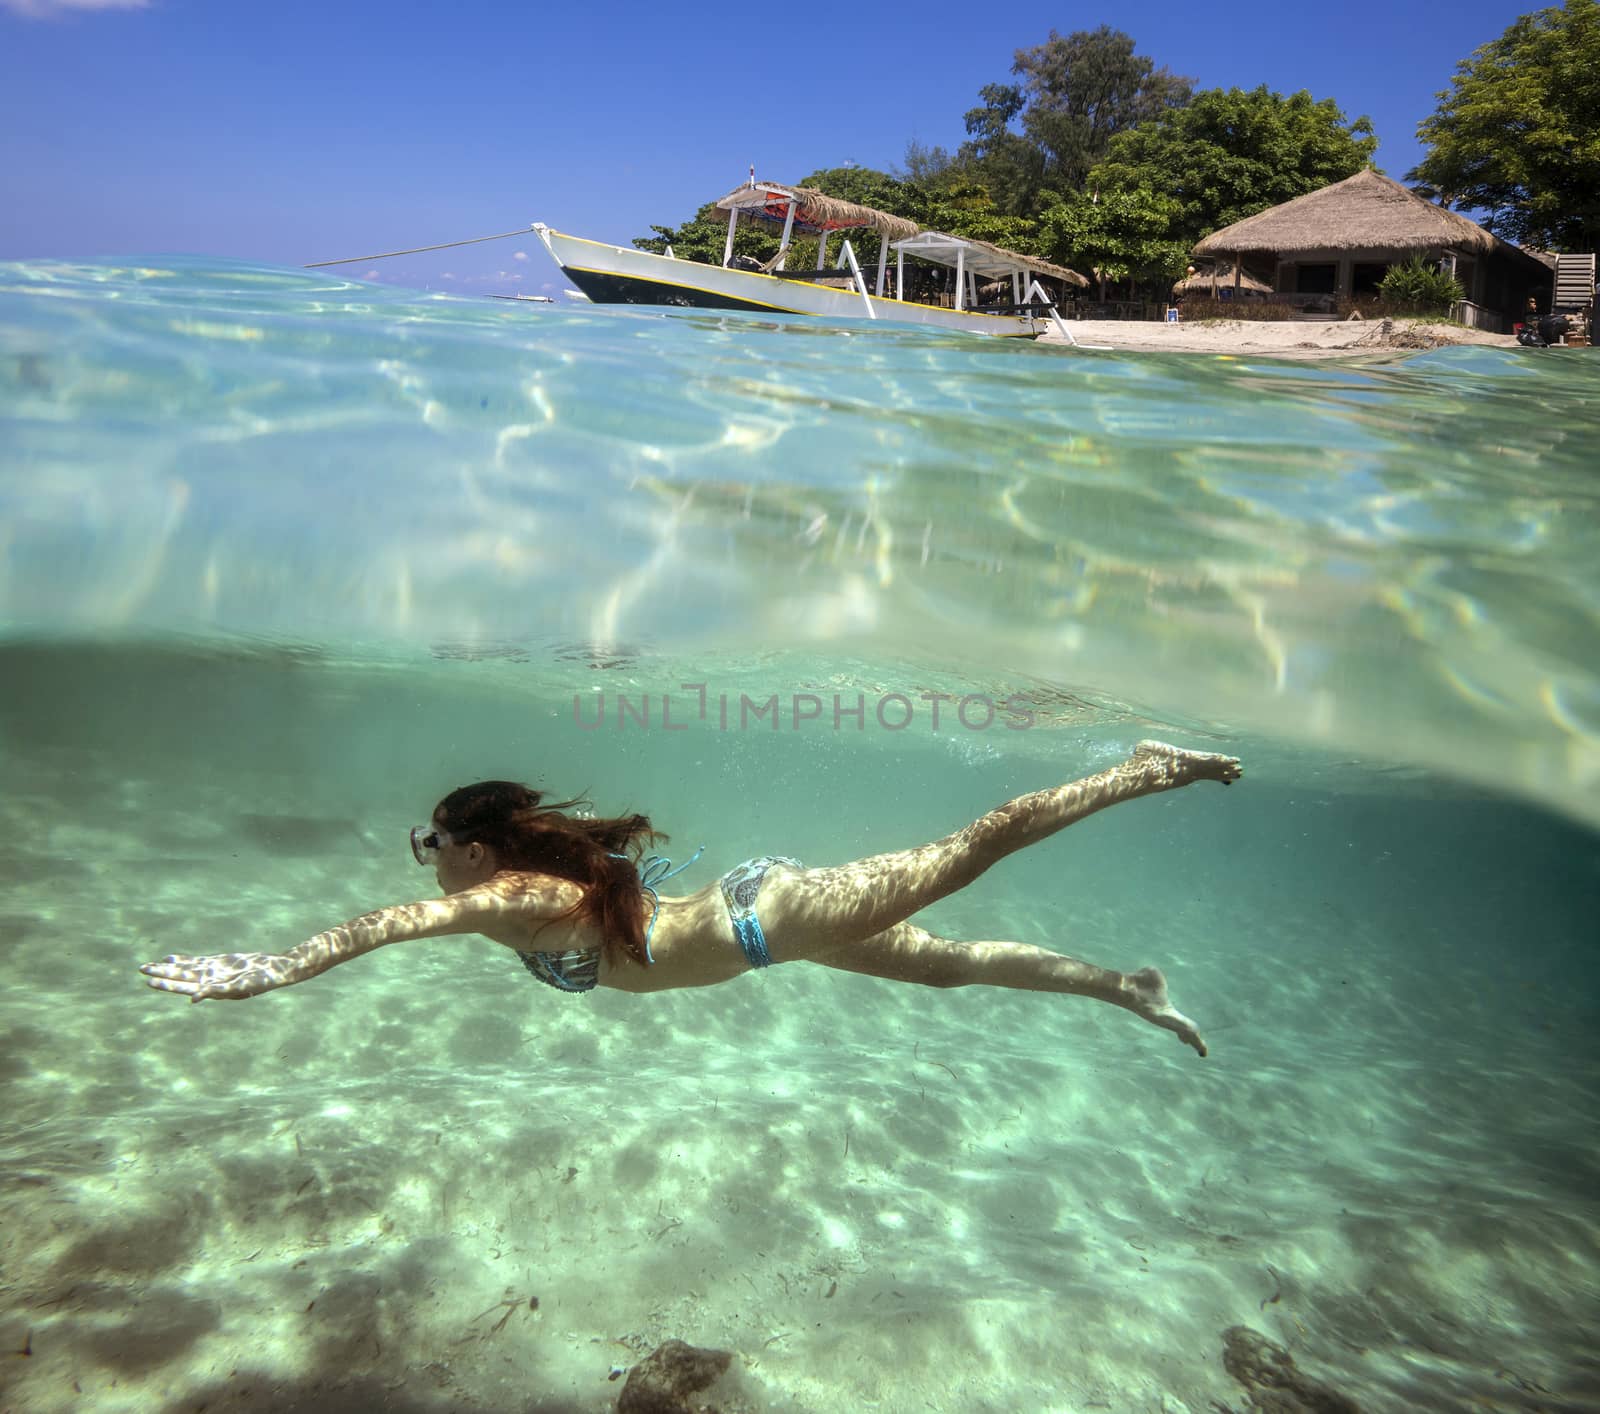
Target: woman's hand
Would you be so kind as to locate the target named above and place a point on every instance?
(228, 977)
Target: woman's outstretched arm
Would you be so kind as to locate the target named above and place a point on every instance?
(236, 975)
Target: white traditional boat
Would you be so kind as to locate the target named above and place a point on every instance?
(610, 274)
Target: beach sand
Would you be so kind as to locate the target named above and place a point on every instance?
(1307, 339)
(424, 1183)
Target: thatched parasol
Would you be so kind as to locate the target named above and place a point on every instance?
(814, 210)
(1363, 212)
(1220, 277)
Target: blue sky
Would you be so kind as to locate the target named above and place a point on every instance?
(283, 131)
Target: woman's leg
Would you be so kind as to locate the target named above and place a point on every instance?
(812, 911)
(907, 953)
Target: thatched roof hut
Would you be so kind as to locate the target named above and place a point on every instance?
(814, 211)
(1337, 242)
(1363, 212)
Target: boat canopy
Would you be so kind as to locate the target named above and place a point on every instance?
(814, 212)
(805, 209)
(975, 257)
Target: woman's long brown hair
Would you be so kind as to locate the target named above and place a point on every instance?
(525, 832)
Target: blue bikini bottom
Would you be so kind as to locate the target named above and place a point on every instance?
(578, 969)
(740, 887)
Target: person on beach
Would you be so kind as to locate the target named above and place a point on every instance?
(564, 891)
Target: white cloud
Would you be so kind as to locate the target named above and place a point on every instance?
(55, 9)
(519, 255)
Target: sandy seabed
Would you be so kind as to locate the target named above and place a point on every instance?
(424, 1183)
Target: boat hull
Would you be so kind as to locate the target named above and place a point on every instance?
(610, 274)
(608, 287)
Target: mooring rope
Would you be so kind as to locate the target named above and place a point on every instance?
(416, 250)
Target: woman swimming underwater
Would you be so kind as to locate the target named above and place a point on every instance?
(564, 892)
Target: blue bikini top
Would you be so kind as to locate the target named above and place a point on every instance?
(578, 969)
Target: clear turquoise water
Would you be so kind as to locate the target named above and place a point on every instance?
(1397, 560)
(283, 558)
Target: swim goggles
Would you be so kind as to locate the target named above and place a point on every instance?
(427, 841)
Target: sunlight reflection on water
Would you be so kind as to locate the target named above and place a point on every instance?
(1395, 556)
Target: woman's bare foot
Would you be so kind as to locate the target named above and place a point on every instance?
(1179, 767)
(1146, 996)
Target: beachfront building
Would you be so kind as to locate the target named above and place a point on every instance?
(1337, 243)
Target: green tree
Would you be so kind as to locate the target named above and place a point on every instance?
(1007, 165)
(1191, 170)
(1082, 91)
(1518, 132)
(924, 164)
(704, 236)
(1124, 235)
(960, 205)
(1230, 153)
(1076, 93)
